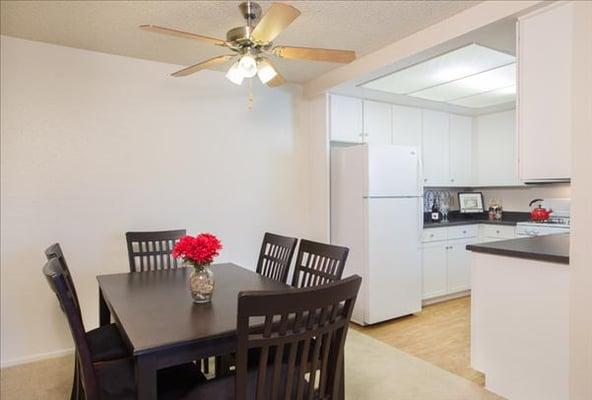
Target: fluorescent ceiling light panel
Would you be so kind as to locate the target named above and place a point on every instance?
(487, 99)
(496, 78)
(454, 65)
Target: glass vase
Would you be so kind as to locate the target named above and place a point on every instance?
(201, 283)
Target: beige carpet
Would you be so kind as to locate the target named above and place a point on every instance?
(374, 370)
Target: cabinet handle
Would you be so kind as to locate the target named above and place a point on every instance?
(425, 179)
(464, 231)
(497, 231)
(432, 235)
(451, 179)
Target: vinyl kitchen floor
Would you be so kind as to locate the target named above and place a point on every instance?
(440, 335)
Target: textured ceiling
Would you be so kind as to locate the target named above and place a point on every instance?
(111, 26)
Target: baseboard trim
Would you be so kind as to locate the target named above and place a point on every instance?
(446, 297)
(36, 357)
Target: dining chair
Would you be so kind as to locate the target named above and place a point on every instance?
(110, 379)
(318, 264)
(148, 251)
(294, 332)
(105, 342)
(276, 256)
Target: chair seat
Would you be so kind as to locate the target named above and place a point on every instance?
(116, 380)
(106, 343)
(223, 388)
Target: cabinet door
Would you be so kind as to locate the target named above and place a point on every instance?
(461, 133)
(496, 159)
(346, 119)
(544, 93)
(377, 122)
(458, 261)
(406, 126)
(436, 148)
(434, 269)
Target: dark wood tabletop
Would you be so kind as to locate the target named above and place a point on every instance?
(154, 309)
(162, 326)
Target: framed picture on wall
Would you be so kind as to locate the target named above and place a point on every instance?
(470, 202)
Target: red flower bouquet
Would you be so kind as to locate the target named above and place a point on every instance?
(198, 250)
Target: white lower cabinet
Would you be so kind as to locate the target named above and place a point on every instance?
(434, 269)
(458, 261)
(491, 233)
(445, 260)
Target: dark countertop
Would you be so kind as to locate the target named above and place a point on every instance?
(552, 248)
(455, 219)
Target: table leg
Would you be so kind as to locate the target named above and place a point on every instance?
(104, 313)
(146, 378)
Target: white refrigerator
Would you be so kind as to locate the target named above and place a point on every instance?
(377, 211)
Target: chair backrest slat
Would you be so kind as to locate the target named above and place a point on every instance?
(149, 251)
(56, 278)
(276, 256)
(318, 264)
(300, 335)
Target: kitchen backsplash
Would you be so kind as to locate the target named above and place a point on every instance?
(442, 196)
(511, 199)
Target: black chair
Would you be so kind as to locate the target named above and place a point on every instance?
(148, 251)
(114, 379)
(294, 332)
(275, 256)
(318, 264)
(105, 342)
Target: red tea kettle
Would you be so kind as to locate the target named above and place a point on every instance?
(539, 214)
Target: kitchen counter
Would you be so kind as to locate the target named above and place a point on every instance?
(551, 248)
(510, 218)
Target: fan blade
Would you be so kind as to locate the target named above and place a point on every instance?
(313, 54)
(202, 65)
(277, 81)
(276, 19)
(188, 35)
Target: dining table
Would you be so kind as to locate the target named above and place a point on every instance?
(160, 324)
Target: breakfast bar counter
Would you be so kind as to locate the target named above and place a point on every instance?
(551, 248)
(520, 316)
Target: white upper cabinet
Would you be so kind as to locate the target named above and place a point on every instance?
(407, 126)
(461, 133)
(377, 122)
(346, 119)
(495, 156)
(544, 93)
(436, 148)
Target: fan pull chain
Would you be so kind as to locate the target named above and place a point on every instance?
(250, 101)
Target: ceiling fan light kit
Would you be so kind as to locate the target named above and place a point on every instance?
(251, 43)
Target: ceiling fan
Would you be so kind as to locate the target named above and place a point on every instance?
(252, 44)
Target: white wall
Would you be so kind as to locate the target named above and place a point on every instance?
(94, 145)
(581, 236)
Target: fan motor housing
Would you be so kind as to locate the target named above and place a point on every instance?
(238, 34)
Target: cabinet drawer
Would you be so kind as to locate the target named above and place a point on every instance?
(462, 232)
(498, 231)
(433, 234)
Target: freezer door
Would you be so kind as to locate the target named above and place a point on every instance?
(394, 270)
(394, 171)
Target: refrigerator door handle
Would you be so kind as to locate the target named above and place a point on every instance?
(419, 173)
